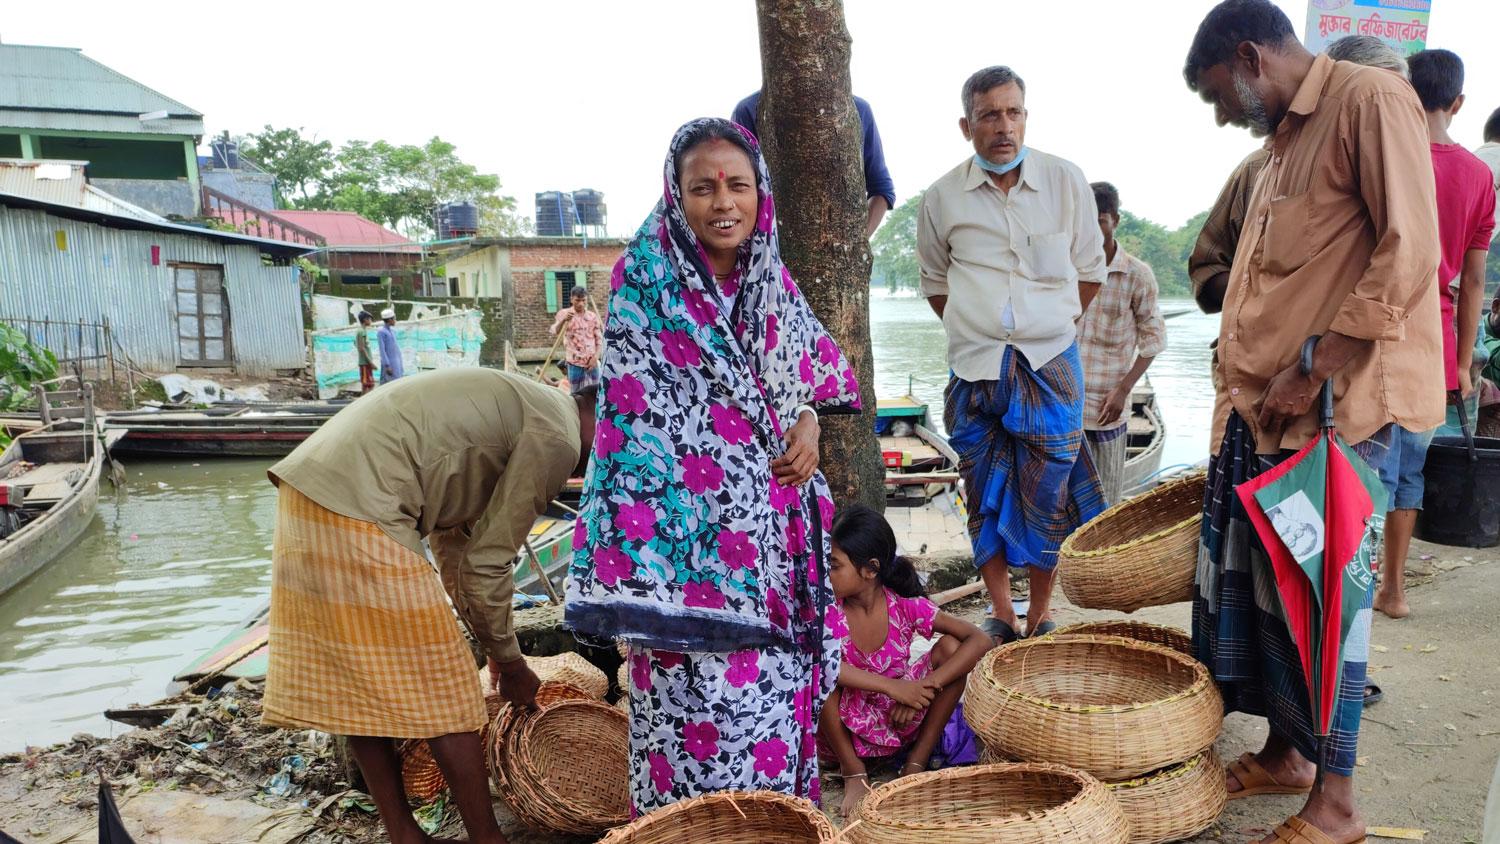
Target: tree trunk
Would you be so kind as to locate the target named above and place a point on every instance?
(811, 136)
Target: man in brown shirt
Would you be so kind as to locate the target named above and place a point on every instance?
(363, 642)
(1340, 240)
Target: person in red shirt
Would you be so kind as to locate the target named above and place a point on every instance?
(1466, 218)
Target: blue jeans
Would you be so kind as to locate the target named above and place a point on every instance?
(1402, 470)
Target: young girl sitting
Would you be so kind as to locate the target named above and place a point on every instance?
(885, 700)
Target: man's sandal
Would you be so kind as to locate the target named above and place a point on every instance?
(999, 632)
(1255, 779)
(1297, 831)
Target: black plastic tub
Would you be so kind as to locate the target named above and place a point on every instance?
(1462, 503)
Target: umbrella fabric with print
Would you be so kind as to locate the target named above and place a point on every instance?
(1319, 515)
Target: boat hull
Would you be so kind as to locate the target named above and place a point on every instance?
(40, 541)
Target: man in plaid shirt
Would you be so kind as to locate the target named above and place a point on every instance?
(1118, 338)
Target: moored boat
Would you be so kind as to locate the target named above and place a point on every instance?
(242, 430)
(919, 464)
(1146, 435)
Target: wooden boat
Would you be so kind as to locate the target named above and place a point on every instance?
(919, 463)
(49, 487)
(1145, 434)
(237, 430)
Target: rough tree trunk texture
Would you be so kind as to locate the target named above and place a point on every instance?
(811, 136)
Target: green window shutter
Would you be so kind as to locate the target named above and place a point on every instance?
(581, 279)
(551, 285)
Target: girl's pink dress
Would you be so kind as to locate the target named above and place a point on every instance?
(868, 714)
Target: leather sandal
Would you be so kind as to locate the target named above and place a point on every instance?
(1255, 779)
(1297, 831)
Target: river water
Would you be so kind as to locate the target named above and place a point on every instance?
(180, 555)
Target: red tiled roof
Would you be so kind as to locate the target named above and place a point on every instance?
(344, 228)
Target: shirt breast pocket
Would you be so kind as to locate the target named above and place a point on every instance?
(1286, 246)
(1051, 258)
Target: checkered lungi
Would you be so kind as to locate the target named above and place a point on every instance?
(1028, 480)
(363, 641)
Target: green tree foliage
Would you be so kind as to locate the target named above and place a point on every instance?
(22, 364)
(894, 248)
(399, 186)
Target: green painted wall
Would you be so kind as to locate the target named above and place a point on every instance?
(112, 158)
(10, 146)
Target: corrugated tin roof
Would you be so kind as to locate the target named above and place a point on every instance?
(63, 79)
(344, 228)
(107, 218)
(63, 183)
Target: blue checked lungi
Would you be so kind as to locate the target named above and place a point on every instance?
(1028, 480)
(1239, 627)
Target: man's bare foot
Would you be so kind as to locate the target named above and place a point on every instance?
(856, 786)
(1392, 603)
(1288, 769)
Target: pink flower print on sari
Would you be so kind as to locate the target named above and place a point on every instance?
(805, 369)
(640, 671)
(612, 565)
(786, 281)
(782, 496)
(661, 772)
(766, 214)
(638, 520)
(736, 549)
(699, 307)
(825, 512)
(702, 594)
(770, 757)
(580, 534)
(744, 668)
(802, 707)
(772, 338)
(700, 739)
(607, 438)
(776, 608)
(829, 389)
(796, 535)
(667, 660)
(679, 349)
(617, 276)
(851, 382)
(828, 351)
(701, 473)
(628, 394)
(731, 424)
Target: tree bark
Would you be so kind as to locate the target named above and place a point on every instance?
(810, 133)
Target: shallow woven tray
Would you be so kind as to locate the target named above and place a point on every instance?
(565, 768)
(1139, 553)
(1175, 803)
(1015, 803)
(1157, 634)
(1114, 707)
(729, 817)
(573, 669)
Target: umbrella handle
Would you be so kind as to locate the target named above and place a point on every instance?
(1325, 393)
(1463, 422)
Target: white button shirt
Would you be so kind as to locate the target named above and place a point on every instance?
(1009, 264)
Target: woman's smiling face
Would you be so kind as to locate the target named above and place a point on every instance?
(719, 198)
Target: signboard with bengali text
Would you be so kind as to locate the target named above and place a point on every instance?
(1400, 23)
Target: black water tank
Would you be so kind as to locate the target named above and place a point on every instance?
(555, 214)
(458, 219)
(226, 154)
(1461, 501)
(590, 206)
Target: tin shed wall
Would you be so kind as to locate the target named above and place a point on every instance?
(103, 272)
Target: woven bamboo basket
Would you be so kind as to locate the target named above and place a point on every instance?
(566, 767)
(1018, 803)
(573, 669)
(503, 719)
(1114, 707)
(1176, 803)
(729, 817)
(1140, 553)
(420, 774)
(1156, 634)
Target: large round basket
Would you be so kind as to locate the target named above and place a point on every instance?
(1141, 553)
(1175, 803)
(573, 669)
(1157, 634)
(504, 718)
(1018, 803)
(729, 817)
(1114, 707)
(566, 768)
(420, 774)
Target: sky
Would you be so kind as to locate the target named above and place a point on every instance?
(565, 95)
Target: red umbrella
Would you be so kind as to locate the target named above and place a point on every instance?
(1319, 516)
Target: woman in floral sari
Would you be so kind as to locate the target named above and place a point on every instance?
(702, 538)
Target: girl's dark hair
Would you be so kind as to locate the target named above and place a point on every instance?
(864, 535)
(709, 129)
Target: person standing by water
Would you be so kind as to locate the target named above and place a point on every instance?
(1466, 218)
(363, 639)
(391, 367)
(1121, 333)
(1340, 241)
(702, 536)
(584, 337)
(362, 351)
(1011, 254)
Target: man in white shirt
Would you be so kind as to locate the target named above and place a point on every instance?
(1011, 254)
(1489, 153)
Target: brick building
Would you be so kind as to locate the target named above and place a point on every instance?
(533, 277)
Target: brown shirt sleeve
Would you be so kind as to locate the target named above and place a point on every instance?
(1213, 252)
(1394, 173)
(485, 583)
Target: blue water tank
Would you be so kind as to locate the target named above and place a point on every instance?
(458, 219)
(590, 206)
(556, 215)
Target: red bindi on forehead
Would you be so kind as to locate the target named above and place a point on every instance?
(721, 175)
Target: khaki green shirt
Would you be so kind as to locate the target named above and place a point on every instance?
(362, 346)
(467, 457)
